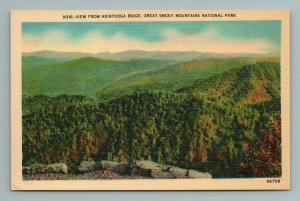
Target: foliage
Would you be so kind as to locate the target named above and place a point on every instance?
(203, 126)
(264, 158)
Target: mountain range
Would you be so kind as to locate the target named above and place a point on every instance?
(140, 54)
(111, 75)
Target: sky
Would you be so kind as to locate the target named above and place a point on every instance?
(94, 37)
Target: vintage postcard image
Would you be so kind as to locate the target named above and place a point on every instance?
(150, 100)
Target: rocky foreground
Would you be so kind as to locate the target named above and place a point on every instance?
(91, 170)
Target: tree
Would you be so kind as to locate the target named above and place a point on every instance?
(264, 159)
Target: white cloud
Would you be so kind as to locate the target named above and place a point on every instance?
(207, 41)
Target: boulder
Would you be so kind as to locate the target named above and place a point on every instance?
(199, 175)
(152, 169)
(160, 174)
(178, 172)
(120, 168)
(89, 166)
(137, 171)
(42, 168)
(158, 171)
(149, 165)
(182, 173)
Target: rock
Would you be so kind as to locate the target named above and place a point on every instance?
(140, 168)
(137, 171)
(181, 173)
(89, 166)
(149, 165)
(178, 172)
(42, 169)
(108, 165)
(122, 169)
(145, 168)
(199, 175)
(160, 174)
(116, 167)
(158, 171)
(152, 169)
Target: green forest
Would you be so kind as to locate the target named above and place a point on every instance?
(220, 116)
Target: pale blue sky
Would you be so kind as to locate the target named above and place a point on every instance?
(263, 35)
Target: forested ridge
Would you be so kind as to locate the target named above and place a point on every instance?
(227, 124)
(107, 79)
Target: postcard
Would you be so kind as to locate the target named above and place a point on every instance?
(150, 100)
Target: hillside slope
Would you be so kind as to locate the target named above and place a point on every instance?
(207, 126)
(108, 79)
(84, 76)
(250, 84)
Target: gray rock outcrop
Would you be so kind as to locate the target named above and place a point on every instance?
(158, 171)
(151, 169)
(89, 166)
(146, 168)
(42, 168)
